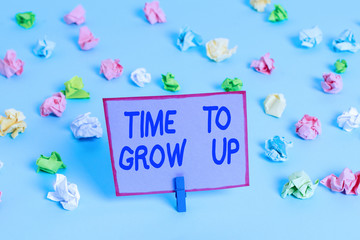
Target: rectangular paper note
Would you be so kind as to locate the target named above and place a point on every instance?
(202, 137)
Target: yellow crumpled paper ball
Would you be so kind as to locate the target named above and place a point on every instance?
(217, 49)
(13, 123)
(259, 5)
(275, 104)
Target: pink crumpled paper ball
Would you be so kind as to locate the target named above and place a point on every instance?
(264, 65)
(111, 68)
(332, 83)
(86, 39)
(308, 127)
(10, 65)
(347, 182)
(55, 104)
(153, 13)
(77, 16)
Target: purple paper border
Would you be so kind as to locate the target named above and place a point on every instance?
(105, 100)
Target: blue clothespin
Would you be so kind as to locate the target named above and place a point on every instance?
(180, 194)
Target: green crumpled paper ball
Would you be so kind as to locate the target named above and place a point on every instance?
(50, 164)
(230, 85)
(299, 185)
(25, 19)
(74, 89)
(340, 66)
(279, 14)
(170, 84)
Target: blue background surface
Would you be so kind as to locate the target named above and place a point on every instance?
(255, 212)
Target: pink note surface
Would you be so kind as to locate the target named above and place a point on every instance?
(190, 123)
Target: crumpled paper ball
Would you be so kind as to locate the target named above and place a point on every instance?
(276, 148)
(259, 5)
(264, 65)
(340, 66)
(332, 83)
(279, 14)
(275, 104)
(87, 40)
(230, 85)
(85, 126)
(77, 16)
(153, 13)
(347, 183)
(65, 192)
(44, 47)
(300, 186)
(311, 37)
(13, 123)
(308, 127)
(170, 84)
(10, 65)
(25, 19)
(56, 104)
(346, 42)
(187, 38)
(111, 68)
(217, 49)
(349, 120)
(140, 77)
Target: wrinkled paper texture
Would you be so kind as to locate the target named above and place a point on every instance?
(13, 123)
(25, 19)
(346, 42)
(140, 77)
(276, 148)
(217, 49)
(85, 126)
(10, 65)
(44, 48)
(111, 68)
(279, 14)
(187, 38)
(348, 182)
(50, 164)
(153, 13)
(56, 104)
(299, 185)
(264, 65)
(310, 37)
(340, 66)
(308, 127)
(170, 84)
(349, 120)
(275, 104)
(77, 16)
(87, 40)
(230, 85)
(66, 193)
(74, 88)
(259, 5)
(332, 83)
